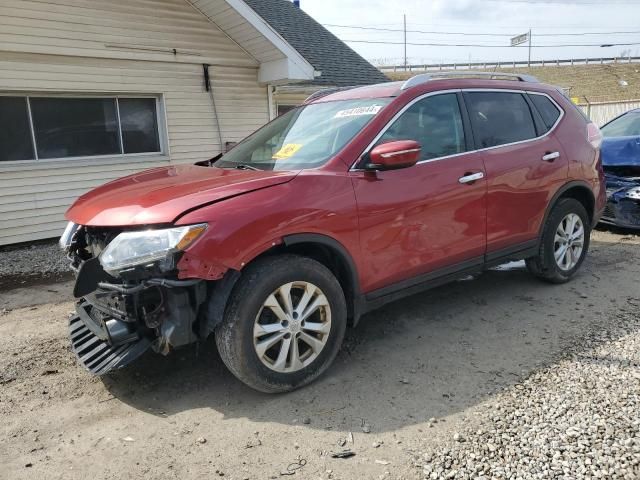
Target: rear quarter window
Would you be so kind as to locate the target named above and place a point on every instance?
(499, 118)
(546, 108)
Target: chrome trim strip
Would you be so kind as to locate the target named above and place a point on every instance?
(551, 156)
(461, 90)
(471, 178)
(400, 152)
(393, 119)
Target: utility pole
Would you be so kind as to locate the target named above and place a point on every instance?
(405, 42)
(529, 62)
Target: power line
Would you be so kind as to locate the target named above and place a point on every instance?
(416, 31)
(493, 46)
(358, 27)
(512, 26)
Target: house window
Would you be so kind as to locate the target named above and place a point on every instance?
(15, 135)
(33, 128)
(282, 109)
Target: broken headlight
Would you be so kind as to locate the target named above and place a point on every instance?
(633, 193)
(130, 249)
(67, 235)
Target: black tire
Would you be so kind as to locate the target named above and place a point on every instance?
(234, 336)
(544, 265)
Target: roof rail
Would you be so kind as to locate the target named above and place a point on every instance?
(426, 77)
(325, 92)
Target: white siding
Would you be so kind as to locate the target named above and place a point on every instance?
(70, 36)
(293, 95)
(140, 29)
(220, 12)
(286, 98)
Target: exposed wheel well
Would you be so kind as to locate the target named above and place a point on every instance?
(335, 260)
(584, 196)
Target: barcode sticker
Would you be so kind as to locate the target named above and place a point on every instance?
(358, 111)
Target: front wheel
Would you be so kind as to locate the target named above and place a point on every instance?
(284, 323)
(564, 243)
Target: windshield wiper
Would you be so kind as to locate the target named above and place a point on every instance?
(210, 162)
(244, 166)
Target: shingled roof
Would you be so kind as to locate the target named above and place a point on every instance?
(339, 64)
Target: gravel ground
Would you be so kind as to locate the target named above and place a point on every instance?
(40, 260)
(536, 380)
(577, 419)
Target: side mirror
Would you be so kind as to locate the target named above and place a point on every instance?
(394, 155)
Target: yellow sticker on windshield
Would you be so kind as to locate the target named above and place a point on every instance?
(287, 151)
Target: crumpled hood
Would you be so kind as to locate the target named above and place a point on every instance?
(620, 151)
(162, 194)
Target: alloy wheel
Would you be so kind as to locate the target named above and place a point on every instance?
(292, 327)
(569, 242)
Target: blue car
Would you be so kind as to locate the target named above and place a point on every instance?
(621, 162)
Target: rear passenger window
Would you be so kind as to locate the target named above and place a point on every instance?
(434, 122)
(548, 111)
(499, 118)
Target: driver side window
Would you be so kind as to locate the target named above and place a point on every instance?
(435, 123)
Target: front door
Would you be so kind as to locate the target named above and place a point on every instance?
(524, 162)
(430, 217)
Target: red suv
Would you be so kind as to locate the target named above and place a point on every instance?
(352, 200)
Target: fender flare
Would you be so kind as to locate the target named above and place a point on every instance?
(346, 259)
(554, 200)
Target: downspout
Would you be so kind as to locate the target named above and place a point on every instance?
(271, 106)
(209, 88)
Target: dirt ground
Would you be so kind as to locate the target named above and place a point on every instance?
(442, 354)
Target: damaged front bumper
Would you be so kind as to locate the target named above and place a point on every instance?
(118, 318)
(623, 202)
(115, 323)
(622, 213)
(103, 346)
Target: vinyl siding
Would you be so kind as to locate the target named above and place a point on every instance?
(140, 29)
(60, 49)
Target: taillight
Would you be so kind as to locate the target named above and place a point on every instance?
(594, 135)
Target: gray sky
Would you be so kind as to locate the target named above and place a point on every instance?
(546, 18)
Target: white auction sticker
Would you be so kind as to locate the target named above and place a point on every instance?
(355, 112)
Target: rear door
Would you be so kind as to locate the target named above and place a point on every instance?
(429, 218)
(524, 163)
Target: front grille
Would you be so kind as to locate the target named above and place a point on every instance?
(629, 211)
(95, 354)
(609, 212)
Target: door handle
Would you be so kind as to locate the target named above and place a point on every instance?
(471, 177)
(550, 157)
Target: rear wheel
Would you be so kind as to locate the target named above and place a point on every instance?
(284, 323)
(564, 243)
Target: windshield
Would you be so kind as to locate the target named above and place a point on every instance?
(626, 126)
(305, 137)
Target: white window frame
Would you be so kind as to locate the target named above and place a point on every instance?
(161, 121)
(278, 105)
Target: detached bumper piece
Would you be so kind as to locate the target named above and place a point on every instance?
(103, 345)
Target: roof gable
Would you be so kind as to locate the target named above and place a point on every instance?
(278, 61)
(338, 63)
